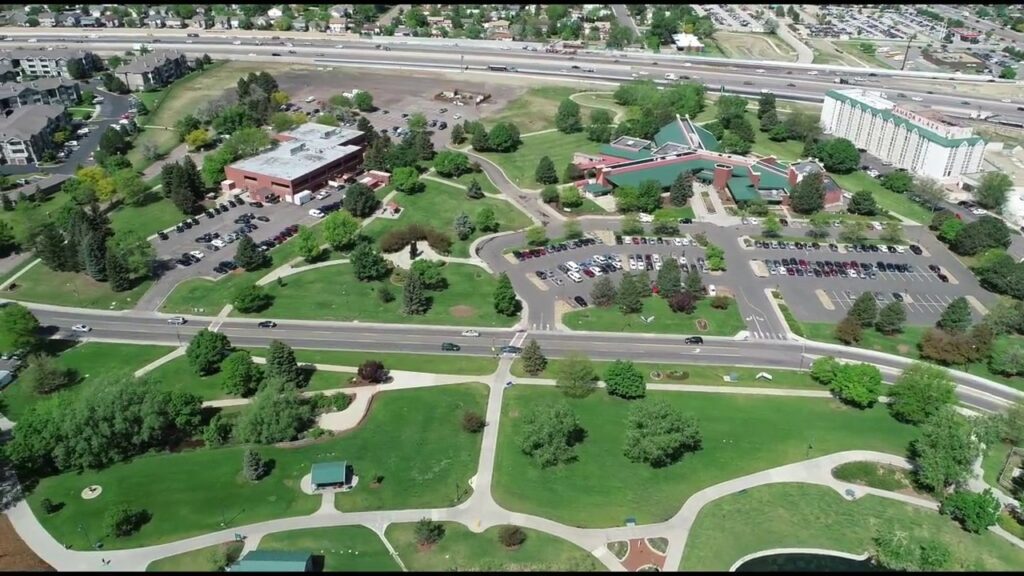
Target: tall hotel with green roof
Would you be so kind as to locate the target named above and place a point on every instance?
(919, 141)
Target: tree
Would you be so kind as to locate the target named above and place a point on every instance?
(984, 233)
(282, 365)
(576, 377)
(545, 172)
(682, 189)
(891, 318)
(505, 301)
(631, 292)
(276, 414)
(414, 298)
(363, 101)
(19, 329)
(534, 361)
(625, 380)
(1007, 358)
(360, 200)
(511, 536)
(898, 181)
(407, 180)
(94, 255)
(808, 196)
(824, 370)
(309, 245)
(198, 139)
(251, 298)
(892, 232)
(771, 227)
(474, 191)
(373, 372)
(631, 226)
(974, 511)
(254, 468)
(862, 203)
(929, 192)
(45, 375)
(486, 221)
(683, 302)
(765, 104)
(536, 236)
(669, 281)
(1008, 73)
(945, 451)
(123, 520)
(504, 137)
(571, 198)
(921, 391)
(248, 255)
(550, 434)
(956, 318)
(993, 190)
(367, 263)
(463, 226)
(819, 223)
(858, 385)
(429, 532)
(340, 230)
(693, 283)
(848, 331)
(242, 376)
(206, 351)
(573, 230)
(451, 164)
(838, 155)
(603, 293)
(473, 422)
(458, 134)
(659, 435)
(864, 309)
(567, 119)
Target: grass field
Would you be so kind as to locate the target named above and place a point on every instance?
(146, 220)
(600, 100)
(873, 474)
(333, 293)
(411, 437)
(993, 460)
(741, 435)
(433, 363)
(535, 109)
(201, 560)
(208, 296)
(750, 46)
(40, 284)
(787, 151)
(178, 375)
(807, 516)
(437, 207)
(520, 165)
(720, 322)
(856, 181)
(460, 550)
(26, 213)
(675, 212)
(485, 182)
(853, 49)
(343, 548)
(704, 375)
(89, 360)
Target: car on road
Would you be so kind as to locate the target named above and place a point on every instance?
(81, 328)
(472, 333)
(450, 347)
(509, 349)
(267, 324)
(316, 213)
(177, 320)
(693, 340)
(580, 301)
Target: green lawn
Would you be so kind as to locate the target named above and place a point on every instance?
(481, 178)
(809, 516)
(787, 151)
(178, 375)
(412, 437)
(344, 548)
(741, 435)
(853, 48)
(992, 463)
(209, 296)
(89, 360)
(600, 100)
(333, 293)
(40, 284)
(432, 363)
(460, 550)
(902, 205)
(81, 113)
(520, 165)
(26, 214)
(535, 109)
(720, 322)
(146, 220)
(703, 375)
(438, 205)
(201, 560)
(675, 212)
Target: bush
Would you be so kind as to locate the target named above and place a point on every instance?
(373, 372)
(396, 240)
(384, 293)
(428, 532)
(472, 422)
(721, 302)
(511, 536)
(974, 511)
(49, 506)
(123, 520)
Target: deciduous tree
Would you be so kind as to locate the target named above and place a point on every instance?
(921, 391)
(206, 351)
(659, 435)
(251, 298)
(242, 376)
(975, 511)
(864, 309)
(891, 318)
(340, 230)
(506, 302)
(945, 451)
(550, 434)
(576, 377)
(367, 263)
(567, 119)
(625, 380)
(360, 200)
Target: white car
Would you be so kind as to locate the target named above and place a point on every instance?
(71, 143)
(900, 250)
(472, 333)
(646, 218)
(322, 194)
(712, 291)
(759, 70)
(754, 221)
(310, 98)
(656, 258)
(916, 98)
(812, 73)
(682, 260)
(219, 243)
(677, 241)
(237, 42)
(1005, 100)
(81, 328)
(177, 320)
(574, 276)
(876, 225)
(978, 211)
(316, 213)
(632, 263)
(457, 116)
(597, 271)
(198, 254)
(97, 100)
(600, 259)
(340, 46)
(852, 273)
(82, 132)
(686, 241)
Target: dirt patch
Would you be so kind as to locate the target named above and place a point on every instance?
(15, 555)
(640, 555)
(903, 349)
(753, 47)
(702, 325)
(462, 311)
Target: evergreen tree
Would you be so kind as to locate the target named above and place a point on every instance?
(6, 202)
(891, 318)
(479, 141)
(545, 172)
(505, 301)
(474, 190)
(367, 263)
(253, 466)
(414, 298)
(864, 309)
(682, 189)
(248, 256)
(567, 119)
(360, 201)
(603, 293)
(669, 281)
(630, 296)
(94, 255)
(282, 365)
(694, 285)
(765, 104)
(117, 272)
(534, 361)
(458, 135)
(808, 196)
(192, 178)
(463, 226)
(956, 318)
(49, 247)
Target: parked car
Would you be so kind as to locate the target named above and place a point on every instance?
(316, 213)
(579, 300)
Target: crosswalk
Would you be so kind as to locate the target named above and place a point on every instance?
(766, 335)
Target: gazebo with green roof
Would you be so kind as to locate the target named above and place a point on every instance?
(274, 561)
(329, 475)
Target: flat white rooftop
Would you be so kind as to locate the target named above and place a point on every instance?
(871, 98)
(311, 146)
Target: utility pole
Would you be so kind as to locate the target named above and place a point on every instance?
(907, 51)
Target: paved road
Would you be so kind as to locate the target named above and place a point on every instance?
(622, 14)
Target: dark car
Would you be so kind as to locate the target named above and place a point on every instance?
(934, 268)
(256, 204)
(162, 235)
(267, 324)
(209, 213)
(195, 221)
(450, 347)
(187, 225)
(943, 277)
(914, 248)
(694, 340)
(262, 218)
(897, 296)
(783, 221)
(223, 207)
(580, 301)
(232, 203)
(220, 270)
(179, 228)
(184, 262)
(509, 349)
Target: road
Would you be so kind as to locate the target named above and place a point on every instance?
(622, 14)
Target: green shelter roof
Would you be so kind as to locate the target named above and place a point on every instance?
(742, 189)
(273, 561)
(597, 188)
(329, 473)
(888, 116)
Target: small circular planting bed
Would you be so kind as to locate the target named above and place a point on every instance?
(656, 375)
(678, 375)
(702, 325)
(92, 492)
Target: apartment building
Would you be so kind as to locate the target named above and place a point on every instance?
(56, 91)
(153, 70)
(49, 63)
(27, 133)
(919, 141)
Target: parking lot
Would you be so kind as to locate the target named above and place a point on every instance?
(930, 305)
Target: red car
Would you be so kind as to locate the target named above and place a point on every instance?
(588, 273)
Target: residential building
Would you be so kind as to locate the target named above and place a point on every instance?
(154, 21)
(687, 43)
(299, 25)
(89, 22)
(921, 142)
(222, 22)
(337, 24)
(47, 19)
(27, 133)
(274, 13)
(57, 91)
(341, 10)
(236, 22)
(42, 63)
(95, 10)
(174, 22)
(306, 158)
(70, 19)
(110, 21)
(153, 70)
(199, 22)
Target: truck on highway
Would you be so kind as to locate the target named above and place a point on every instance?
(500, 68)
(671, 76)
(840, 81)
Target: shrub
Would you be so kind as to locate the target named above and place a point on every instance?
(385, 294)
(49, 506)
(511, 536)
(123, 520)
(721, 302)
(396, 240)
(472, 422)
(428, 532)
(373, 372)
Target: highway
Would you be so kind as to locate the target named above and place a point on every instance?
(153, 328)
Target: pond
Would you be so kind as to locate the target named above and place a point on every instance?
(805, 562)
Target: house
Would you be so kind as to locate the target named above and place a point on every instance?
(18, 19)
(274, 561)
(47, 19)
(154, 21)
(262, 22)
(687, 43)
(236, 22)
(221, 22)
(299, 25)
(199, 22)
(27, 133)
(56, 91)
(94, 10)
(370, 29)
(274, 13)
(70, 19)
(341, 10)
(43, 63)
(158, 10)
(174, 22)
(8, 73)
(337, 24)
(110, 21)
(89, 22)
(153, 70)
(403, 31)
(833, 193)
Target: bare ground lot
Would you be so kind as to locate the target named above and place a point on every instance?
(15, 555)
(754, 46)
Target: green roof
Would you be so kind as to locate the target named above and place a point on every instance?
(706, 138)
(742, 189)
(597, 189)
(887, 116)
(664, 172)
(671, 132)
(610, 150)
(325, 473)
(273, 561)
